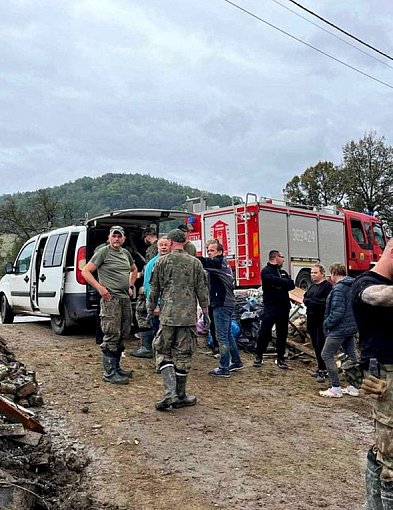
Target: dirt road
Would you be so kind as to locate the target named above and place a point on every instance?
(262, 439)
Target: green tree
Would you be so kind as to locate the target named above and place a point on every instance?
(320, 185)
(26, 218)
(368, 164)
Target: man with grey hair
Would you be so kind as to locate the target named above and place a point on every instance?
(178, 281)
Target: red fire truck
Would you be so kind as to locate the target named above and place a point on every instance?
(248, 232)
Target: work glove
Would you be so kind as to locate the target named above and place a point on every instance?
(374, 386)
(206, 321)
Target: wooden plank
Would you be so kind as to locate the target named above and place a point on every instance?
(301, 348)
(31, 438)
(27, 389)
(19, 414)
(11, 429)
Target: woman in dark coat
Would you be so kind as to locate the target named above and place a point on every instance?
(315, 301)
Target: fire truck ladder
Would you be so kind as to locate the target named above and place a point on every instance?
(242, 254)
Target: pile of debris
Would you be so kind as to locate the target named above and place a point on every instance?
(35, 473)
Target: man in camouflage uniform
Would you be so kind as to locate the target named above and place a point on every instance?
(149, 235)
(146, 329)
(189, 247)
(116, 277)
(178, 281)
(372, 294)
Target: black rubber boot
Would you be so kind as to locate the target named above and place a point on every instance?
(184, 399)
(145, 350)
(169, 379)
(120, 371)
(110, 370)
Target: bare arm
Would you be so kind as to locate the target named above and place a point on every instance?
(378, 295)
(133, 274)
(87, 273)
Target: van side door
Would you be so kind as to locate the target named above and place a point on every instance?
(51, 279)
(21, 281)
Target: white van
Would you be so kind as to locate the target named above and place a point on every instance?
(46, 277)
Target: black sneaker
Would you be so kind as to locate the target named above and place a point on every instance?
(320, 376)
(281, 363)
(233, 367)
(258, 361)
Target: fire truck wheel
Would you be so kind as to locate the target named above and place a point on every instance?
(303, 280)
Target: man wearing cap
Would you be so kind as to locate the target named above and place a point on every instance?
(189, 247)
(149, 235)
(117, 273)
(178, 280)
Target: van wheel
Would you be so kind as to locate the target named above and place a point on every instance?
(303, 280)
(7, 317)
(58, 324)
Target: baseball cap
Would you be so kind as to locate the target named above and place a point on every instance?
(149, 231)
(177, 235)
(183, 227)
(117, 228)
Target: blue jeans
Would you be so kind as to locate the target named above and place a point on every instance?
(332, 345)
(226, 342)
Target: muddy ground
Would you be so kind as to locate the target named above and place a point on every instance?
(261, 439)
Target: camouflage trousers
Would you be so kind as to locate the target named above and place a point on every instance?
(116, 320)
(383, 422)
(379, 471)
(141, 312)
(175, 344)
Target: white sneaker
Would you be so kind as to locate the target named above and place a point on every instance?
(351, 390)
(332, 392)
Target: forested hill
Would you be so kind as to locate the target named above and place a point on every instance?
(24, 214)
(128, 191)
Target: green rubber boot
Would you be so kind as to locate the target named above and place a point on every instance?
(145, 350)
(169, 379)
(184, 399)
(110, 370)
(120, 371)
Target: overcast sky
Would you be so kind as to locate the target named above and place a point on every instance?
(194, 91)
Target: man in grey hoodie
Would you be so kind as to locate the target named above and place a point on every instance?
(339, 326)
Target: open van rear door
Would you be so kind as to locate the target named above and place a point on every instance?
(137, 218)
(134, 221)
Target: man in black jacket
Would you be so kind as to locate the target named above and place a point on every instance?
(275, 285)
(222, 301)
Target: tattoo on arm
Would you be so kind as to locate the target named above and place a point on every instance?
(378, 295)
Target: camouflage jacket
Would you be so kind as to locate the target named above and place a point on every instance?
(179, 281)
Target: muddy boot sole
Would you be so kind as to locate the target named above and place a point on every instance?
(185, 402)
(116, 380)
(166, 403)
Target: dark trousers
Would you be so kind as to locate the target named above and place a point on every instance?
(379, 493)
(315, 328)
(212, 329)
(269, 319)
